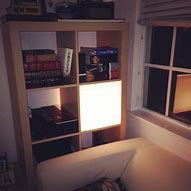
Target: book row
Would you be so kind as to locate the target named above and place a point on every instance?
(98, 64)
(42, 67)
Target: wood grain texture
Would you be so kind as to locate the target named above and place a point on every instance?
(109, 33)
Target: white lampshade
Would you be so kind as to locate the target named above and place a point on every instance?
(100, 105)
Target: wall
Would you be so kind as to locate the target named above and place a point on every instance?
(7, 138)
(139, 127)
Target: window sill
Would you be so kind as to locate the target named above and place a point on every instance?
(164, 122)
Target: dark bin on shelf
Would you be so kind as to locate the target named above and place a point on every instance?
(50, 121)
(52, 149)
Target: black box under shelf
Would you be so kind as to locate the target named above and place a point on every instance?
(49, 121)
(52, 149)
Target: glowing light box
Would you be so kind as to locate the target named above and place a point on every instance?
(100, 105)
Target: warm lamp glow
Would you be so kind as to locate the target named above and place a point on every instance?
(100, 105)
(182, 98)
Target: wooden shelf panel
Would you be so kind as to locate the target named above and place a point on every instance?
(54, 138)
(99, 82)
(53, 87)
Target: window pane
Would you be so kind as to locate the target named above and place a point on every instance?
(155, 89)
(161, 41)
(182, 56)
(180, 100)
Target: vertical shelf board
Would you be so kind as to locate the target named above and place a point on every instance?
(124, 71)
(13, 55)
(118, 39)
(67, 39)
(106, 136)
(68, 100)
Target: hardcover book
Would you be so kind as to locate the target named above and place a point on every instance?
(37, 51)
(42, 66)
(40, 57)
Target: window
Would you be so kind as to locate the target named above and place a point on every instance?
(167, 72)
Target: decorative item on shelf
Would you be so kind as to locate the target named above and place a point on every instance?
(81, 9)
(66, 10)
(25, 7)
(65, 56)
(63, 9)
(97, 9)
(101, 63)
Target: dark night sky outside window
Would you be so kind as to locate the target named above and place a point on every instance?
(168, 55)
(161, 45)
(157, 89)
(182, 56)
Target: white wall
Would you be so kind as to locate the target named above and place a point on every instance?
(7, 138)
(139, 127)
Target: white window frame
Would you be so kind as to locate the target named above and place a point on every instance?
(169, 68)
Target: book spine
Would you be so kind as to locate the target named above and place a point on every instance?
(37, 51)
(41, 66)
(42, 74)
(40, 58)
(42, 82)
(65, 55)
(103, 51)
(114, 70)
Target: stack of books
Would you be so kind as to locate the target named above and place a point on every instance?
(99, 63)
(41, 68)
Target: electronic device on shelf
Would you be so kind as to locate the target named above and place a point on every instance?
(96, 10)
(85, 9)
(66, 10)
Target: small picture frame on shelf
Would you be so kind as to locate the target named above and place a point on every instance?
(25, 7)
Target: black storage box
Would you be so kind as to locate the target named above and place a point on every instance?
(50, 121)
(96, 10)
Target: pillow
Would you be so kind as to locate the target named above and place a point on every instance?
(104, 184)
